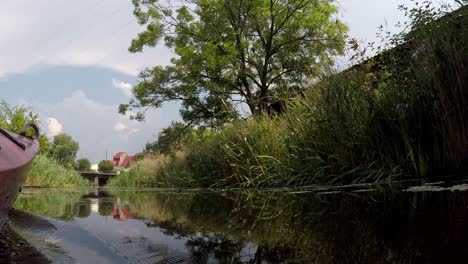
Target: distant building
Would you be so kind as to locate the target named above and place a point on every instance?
(122, 160)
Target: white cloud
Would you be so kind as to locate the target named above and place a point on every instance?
(96, 125)
(54, 127)
(86, 32)
(125, 87)
(120, 126)
(98, 33)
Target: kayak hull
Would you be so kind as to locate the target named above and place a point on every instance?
(16, 155)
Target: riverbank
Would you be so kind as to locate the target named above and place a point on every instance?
(402, 114)
(47, 172)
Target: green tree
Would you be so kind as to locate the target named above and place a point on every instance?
(105, 166)
(232, 51)
(171, 138)
(14, 118)
(64, 149)
(83, 164)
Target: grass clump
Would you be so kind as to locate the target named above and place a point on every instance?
(47, 172)
(140, 174)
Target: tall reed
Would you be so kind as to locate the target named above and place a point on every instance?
(46, 172)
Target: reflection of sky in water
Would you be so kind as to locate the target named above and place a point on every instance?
(94, 205)
(68, 243)
(120, 232)
(104, 230)
(100, 239)
(84, 247)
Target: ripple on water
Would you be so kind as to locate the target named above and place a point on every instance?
(15, 249)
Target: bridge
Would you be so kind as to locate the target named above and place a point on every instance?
(99, 178)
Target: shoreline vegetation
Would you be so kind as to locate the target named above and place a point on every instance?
(47, 172)
(402, 114)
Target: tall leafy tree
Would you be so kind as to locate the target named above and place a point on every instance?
(64, 149)
(230, 52)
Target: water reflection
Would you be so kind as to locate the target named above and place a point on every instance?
(384, 225)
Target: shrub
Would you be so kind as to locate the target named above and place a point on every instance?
(106, 166)
(83, 164)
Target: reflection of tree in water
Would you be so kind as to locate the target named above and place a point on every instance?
(214, 246)
(106, 206)
(231, 251)
(83, 208)
(217, 225)
(378, 227)
(58, 204)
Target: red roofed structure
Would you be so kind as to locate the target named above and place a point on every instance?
(118, 154)
(126, 162)
(122, 159)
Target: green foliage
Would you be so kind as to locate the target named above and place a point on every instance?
(14, 118)
(135, 177)
(426, 91)
(231, 52)
(47, 172)
(173, 138)
(105, 166)
(83, 164)
(64, 150)
(393, 116)
(142, 173)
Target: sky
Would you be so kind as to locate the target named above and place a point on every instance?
(68, 61)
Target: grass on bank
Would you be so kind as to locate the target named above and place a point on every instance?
(403, 114)
(47, 172)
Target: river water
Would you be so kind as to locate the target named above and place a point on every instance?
(370, 224)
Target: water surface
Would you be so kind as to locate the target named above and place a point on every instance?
(377, 224)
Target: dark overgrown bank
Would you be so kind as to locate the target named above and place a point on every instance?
(402, 114)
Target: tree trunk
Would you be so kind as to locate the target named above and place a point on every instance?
(263, 100)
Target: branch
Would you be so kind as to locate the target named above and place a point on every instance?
(289, 14)
(281, 74)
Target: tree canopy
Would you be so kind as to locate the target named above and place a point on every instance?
(64, 149)
(170, 138)
(83, 164)
(231, 52)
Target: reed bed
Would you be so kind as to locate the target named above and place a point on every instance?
(47, 172)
